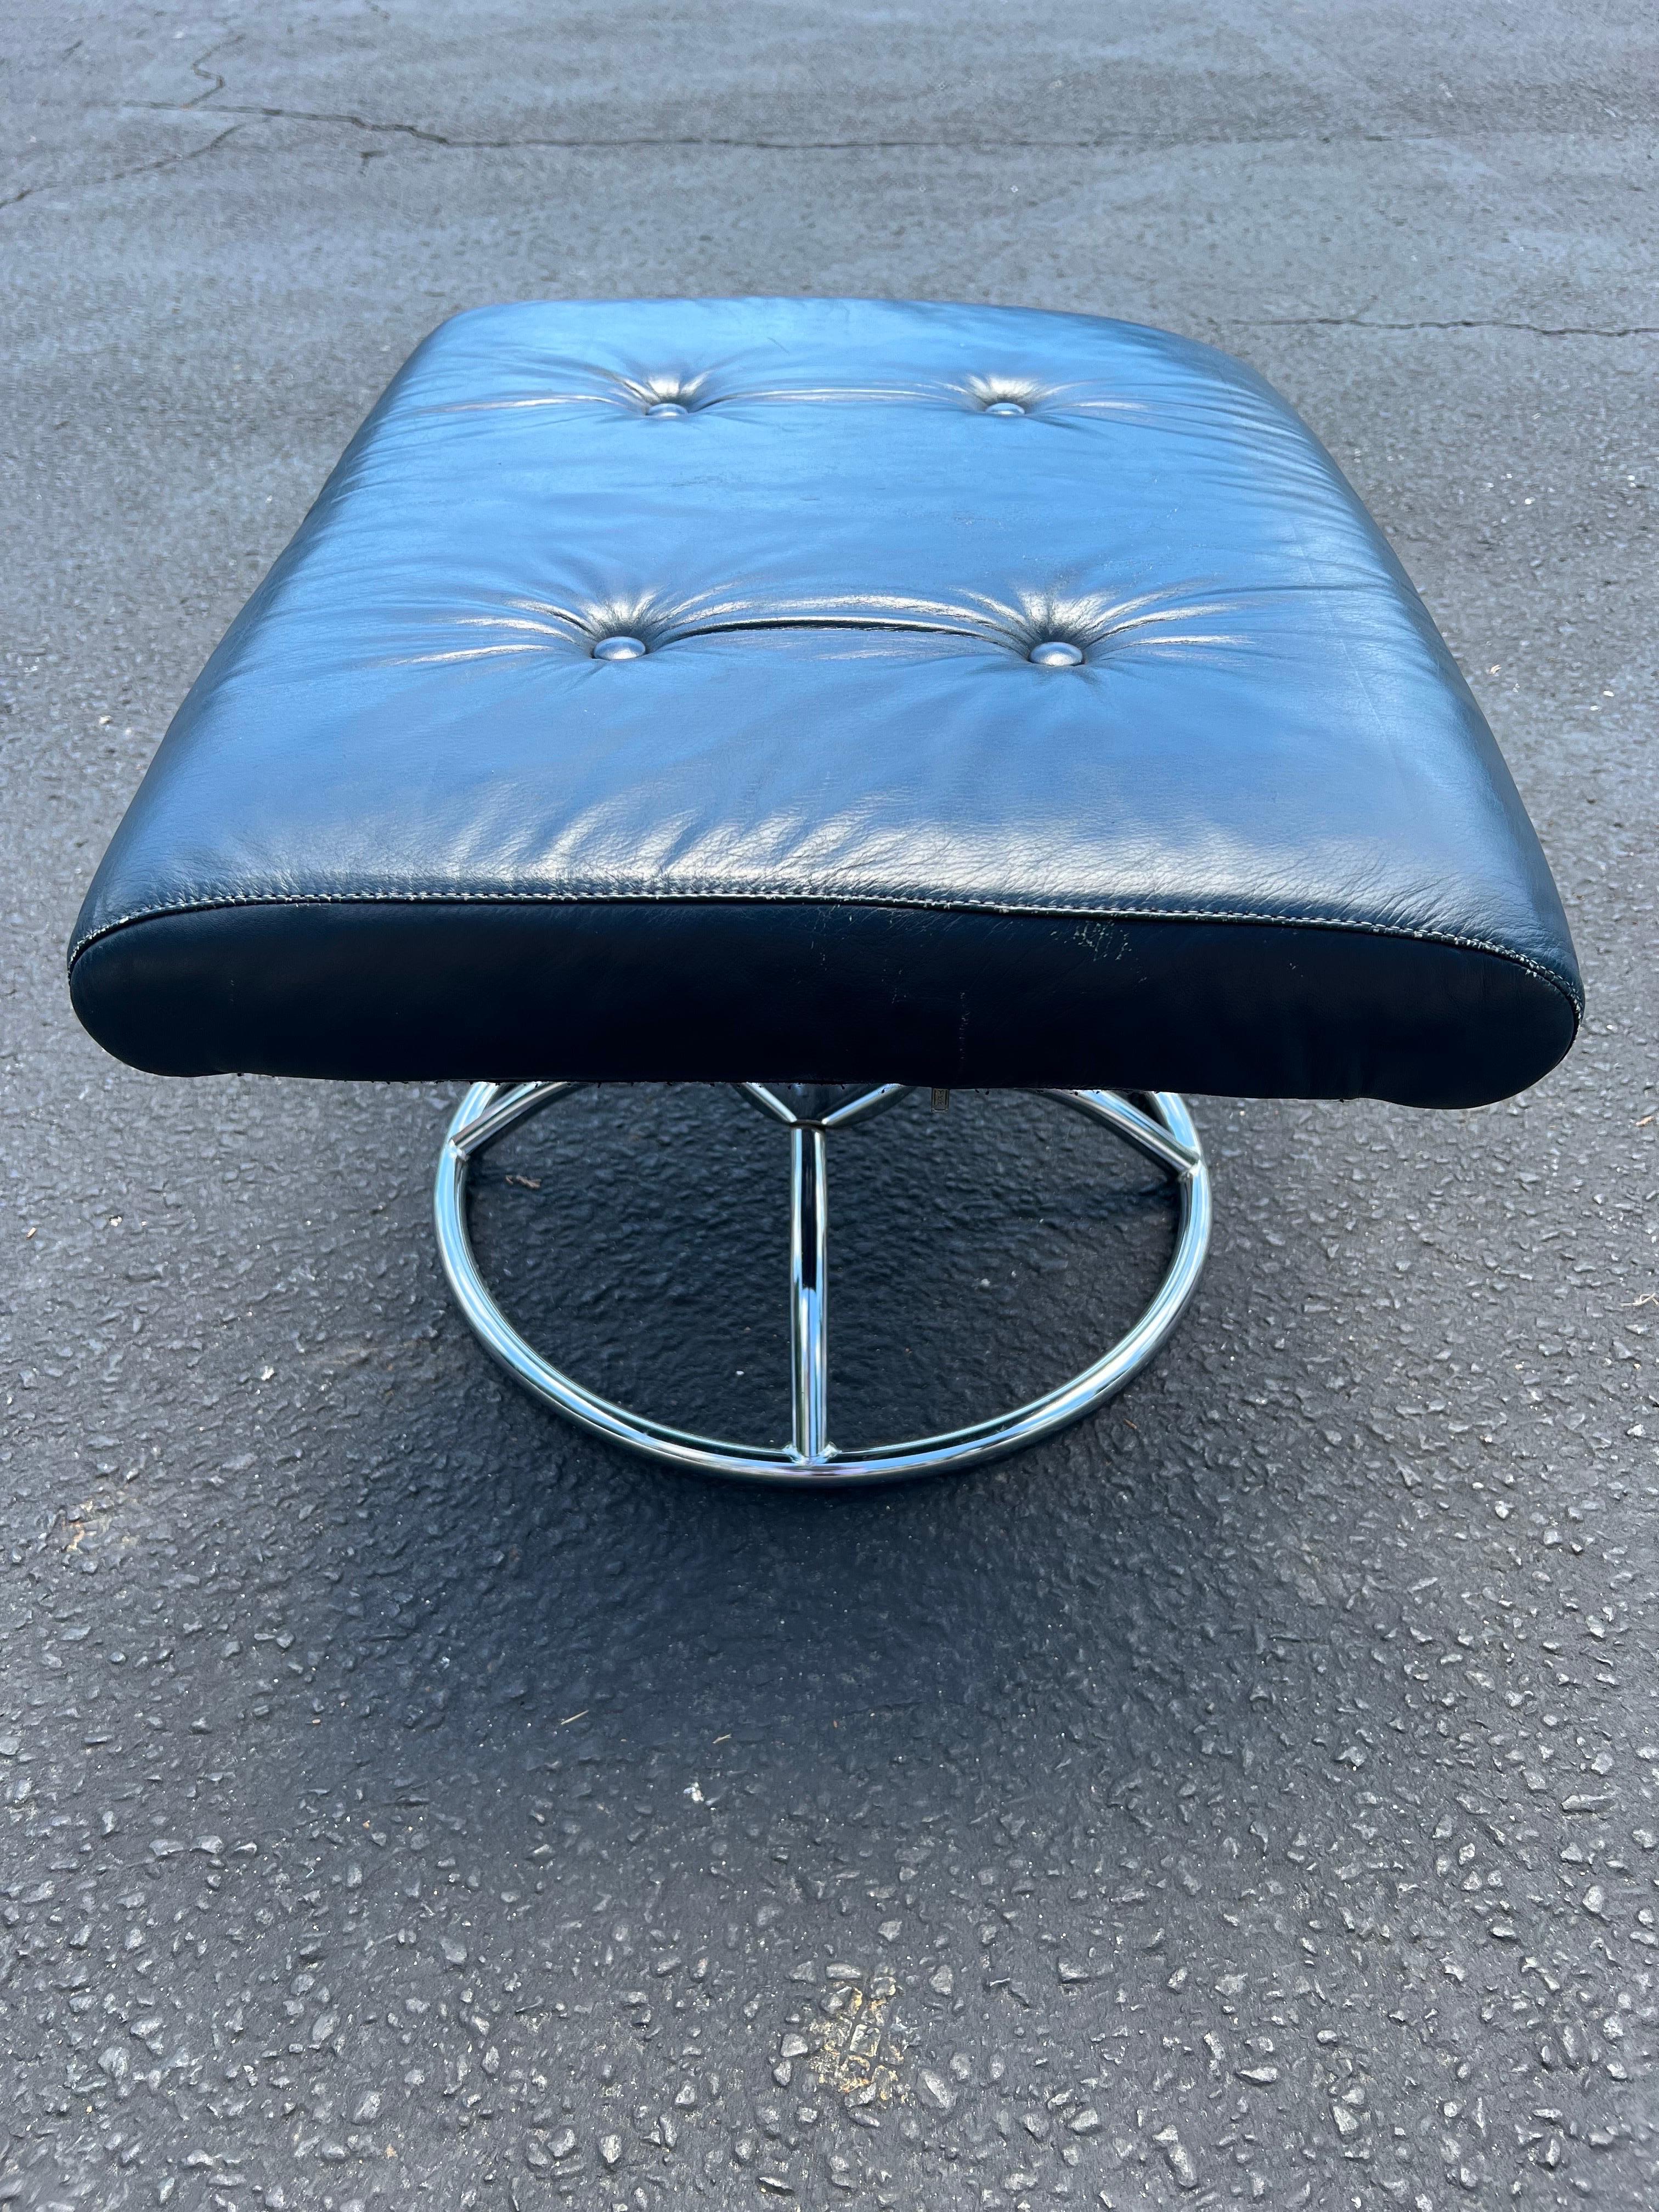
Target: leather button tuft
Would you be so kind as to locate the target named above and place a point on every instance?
(665, 407)
(1005, 407)
(1054, 653)
(619, 648)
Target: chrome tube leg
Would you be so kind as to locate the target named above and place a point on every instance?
(808, 1322)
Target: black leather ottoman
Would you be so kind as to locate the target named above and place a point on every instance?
(866, 693)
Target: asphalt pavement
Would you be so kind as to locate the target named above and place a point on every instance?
(1248, 1797)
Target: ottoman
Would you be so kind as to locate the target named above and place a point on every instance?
(852, 693)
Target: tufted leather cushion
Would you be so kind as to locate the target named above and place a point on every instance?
(823, 815)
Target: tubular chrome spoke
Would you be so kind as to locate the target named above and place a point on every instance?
(809, 1316)
(761, 1094)
(867, 1104)
(487, 1113)
(1157, 1139)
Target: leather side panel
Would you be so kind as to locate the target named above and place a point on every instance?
(626, 991)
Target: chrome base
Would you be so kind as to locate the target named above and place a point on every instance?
(1164, 1134)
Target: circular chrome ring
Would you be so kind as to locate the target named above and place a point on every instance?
(1164, 1134)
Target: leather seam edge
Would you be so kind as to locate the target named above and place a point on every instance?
(1450, 940)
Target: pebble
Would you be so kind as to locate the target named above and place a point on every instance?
(937, 2091)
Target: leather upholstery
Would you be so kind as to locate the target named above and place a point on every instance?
(833, 824)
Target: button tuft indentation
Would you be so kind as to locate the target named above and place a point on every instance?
(1005, 407)
(619, 648)
(1055, 653)
(666, 407)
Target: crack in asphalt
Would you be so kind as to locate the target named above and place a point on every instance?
(117, 176)
(629, 144)
(214, 83)
(1458, 323)
(197, 68)
(1100, 142)
(781, 145)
